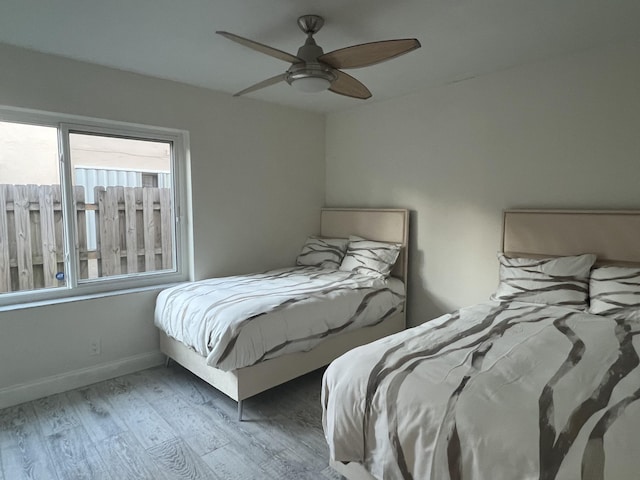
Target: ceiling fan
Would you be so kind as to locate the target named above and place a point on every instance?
(312, 70)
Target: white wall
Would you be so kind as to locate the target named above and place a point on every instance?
(560, 134)
(257, 187)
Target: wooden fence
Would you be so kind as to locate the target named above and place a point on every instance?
(133, 232)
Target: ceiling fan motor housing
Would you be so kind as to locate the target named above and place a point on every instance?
(299, 71)
(310, 68)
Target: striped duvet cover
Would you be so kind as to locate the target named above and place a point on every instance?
(238, 321)
(497, 391)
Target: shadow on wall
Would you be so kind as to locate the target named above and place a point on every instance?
(441, 282)
(422, 306)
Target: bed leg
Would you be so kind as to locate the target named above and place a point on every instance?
(240, 410)
(167, 362)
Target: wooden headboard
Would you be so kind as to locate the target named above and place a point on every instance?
(614, 235)
(381, 224)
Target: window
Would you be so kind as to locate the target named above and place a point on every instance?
(88, 206)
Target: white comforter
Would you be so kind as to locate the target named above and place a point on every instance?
(495, 392)
(240, 320)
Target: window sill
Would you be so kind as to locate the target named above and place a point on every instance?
(81, 298)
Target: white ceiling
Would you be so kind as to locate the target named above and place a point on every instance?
(175, 39)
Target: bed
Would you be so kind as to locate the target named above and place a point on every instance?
(529, 385)
(381, 225)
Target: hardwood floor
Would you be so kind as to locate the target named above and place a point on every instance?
(165, 423)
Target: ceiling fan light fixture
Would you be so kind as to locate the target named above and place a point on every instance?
(310, 84)
(310, 78)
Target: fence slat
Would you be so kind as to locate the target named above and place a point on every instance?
(36, 235)
(149, 229)
(109, 230)
(131, 236)
(23, 236)
(5, 265)
(48, 236)
(97, 223)
(166, 235)
(81, 219)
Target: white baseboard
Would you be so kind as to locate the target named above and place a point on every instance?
(25, 392)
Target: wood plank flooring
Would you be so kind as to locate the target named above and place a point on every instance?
(166, 424)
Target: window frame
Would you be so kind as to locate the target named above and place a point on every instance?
(74, 287)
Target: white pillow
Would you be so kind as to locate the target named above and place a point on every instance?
(615, 292)
(370, 257)
(322, 252)
(561, 281)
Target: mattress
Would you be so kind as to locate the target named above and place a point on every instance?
(238, 321)
(497, 391)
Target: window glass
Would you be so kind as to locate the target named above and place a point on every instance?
(32, 243)
(123, 196)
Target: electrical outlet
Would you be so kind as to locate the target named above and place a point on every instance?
(94, 346)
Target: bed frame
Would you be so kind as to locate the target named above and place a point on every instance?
(388, 225)
(614, 235)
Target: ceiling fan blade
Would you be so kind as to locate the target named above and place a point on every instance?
(367, 54)
(265, 83)
(273, 52)
(349, 87)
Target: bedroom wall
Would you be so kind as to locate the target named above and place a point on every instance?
(557, 134)
(255, 199)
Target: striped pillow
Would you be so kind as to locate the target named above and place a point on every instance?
(322, 252)
(615, 292)
(561, 281)
(369, 257)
